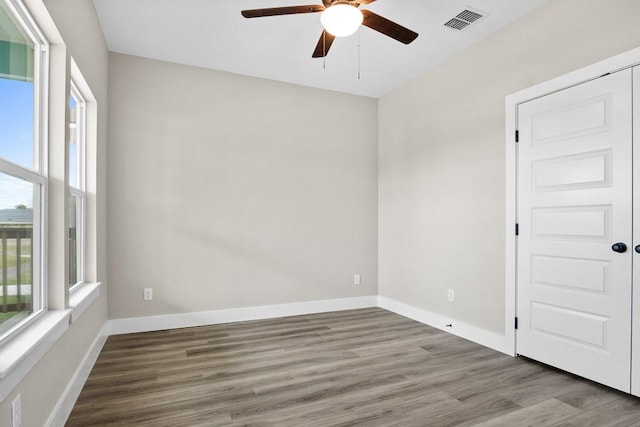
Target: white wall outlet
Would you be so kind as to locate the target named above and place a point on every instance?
(148, 294)
(16, 411)
(356, 279)
(450, 295)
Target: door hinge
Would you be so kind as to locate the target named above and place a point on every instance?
(517, 229)
(516, 323)
(517, 136)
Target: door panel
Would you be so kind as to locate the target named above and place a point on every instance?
(569, 325)
(583, 275)
(574, 222)
(571, 120)
(585, 170)
(574, 202)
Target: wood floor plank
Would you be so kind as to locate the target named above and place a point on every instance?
(366, 367)
(622, 412)
(585, 395)
(544, 414)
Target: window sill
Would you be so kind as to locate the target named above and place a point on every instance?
(21, 354)
(82, 298)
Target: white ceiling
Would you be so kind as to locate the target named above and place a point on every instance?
(213, 34)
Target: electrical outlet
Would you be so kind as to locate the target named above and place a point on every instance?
(148, 294)
(450, 295)
(356, 279)
(16, 411)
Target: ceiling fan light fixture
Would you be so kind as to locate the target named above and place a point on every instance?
(341, 20)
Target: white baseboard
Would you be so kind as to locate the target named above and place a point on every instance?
(63, 408)
(467, 331)
(202, 318)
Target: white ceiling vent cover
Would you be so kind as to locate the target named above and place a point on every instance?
(463, 19)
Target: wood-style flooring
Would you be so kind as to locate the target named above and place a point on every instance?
(365, 367)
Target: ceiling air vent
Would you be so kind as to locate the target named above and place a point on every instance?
(463, 19)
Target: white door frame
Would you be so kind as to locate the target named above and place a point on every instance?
(619, 62)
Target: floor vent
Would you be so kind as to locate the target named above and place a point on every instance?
(463, 19)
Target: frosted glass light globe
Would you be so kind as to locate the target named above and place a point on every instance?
(341, 20)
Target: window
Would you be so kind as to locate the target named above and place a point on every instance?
(23, 180)
(76, 177)
(47, 198)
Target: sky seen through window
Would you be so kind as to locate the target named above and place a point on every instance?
(16, 140)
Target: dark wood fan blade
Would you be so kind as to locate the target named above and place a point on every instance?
(275, 11)
(361, 2)
(388, 28)
(325, 42)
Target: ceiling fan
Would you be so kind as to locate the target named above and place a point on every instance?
(340, 18)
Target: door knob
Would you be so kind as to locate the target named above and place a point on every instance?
(637, 248)
(621, 247)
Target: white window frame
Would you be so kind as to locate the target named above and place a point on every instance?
(79, 191)
(83, 295)
(21, 352)
(39, 174)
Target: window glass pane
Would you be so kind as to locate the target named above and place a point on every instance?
(16, 250)
(16, 93)
(75, 148)
(75, 239)
(73, 143)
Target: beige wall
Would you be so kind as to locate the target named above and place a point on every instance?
(40, 390)
(227, 191)
(442, 171)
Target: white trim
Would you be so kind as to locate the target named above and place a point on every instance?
(24, 351)
(79, 191)
(82, 297)
(619, 62)
(611, 65)
(18, 171)
(202, 318)
(64, 406)
(511, 219)
(34, 174)
(21, 11)
(464, 330)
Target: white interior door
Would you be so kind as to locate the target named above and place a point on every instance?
(635, 353)
(574, 203)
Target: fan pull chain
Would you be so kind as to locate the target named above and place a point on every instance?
(324, 50)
